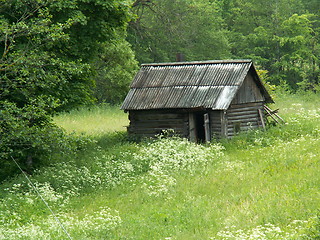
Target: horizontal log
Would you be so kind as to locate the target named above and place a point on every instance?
(244, 119)
(159, 120)
(244, 124)
(175, 114)
(215, 118)
(246, 105)
(237, 110)
(138, 128)
(158, 124)
(157, 117)
(243, 128)
(243, 115)
(242, 112)
(154, 132)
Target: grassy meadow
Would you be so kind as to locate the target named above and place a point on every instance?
(96, 120)
(259, 185)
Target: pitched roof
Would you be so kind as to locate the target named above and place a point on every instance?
(206, 84)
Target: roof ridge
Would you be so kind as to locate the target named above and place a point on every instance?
(198, 62)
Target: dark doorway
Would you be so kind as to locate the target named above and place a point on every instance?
(199, 124)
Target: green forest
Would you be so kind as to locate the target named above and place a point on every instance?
(66, 66)
(59, 55)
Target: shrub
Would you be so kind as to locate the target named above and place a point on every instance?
(28, 136)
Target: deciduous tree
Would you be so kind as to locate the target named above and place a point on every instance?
(47, 51)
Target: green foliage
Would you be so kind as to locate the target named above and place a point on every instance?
(115, 68)
(164, 28)
(47, 64)
(299, 60)
(28, 136)
(47, 48)
(282, 36)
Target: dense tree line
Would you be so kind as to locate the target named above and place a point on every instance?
(281, 36)
(52, 55)
(56, 55)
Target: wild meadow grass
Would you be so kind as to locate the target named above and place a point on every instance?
(94, 120)
(259, 185)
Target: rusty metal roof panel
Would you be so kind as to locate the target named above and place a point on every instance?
(208, 84)
(196, 76)
(211, 76)
(171, 73)
(155, 77)
(224, 74)
(140, 98)
(149, 98)
(188, 99)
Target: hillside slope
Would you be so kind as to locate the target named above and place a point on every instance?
(259, 185)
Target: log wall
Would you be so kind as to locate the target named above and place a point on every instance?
(148, 123)
(238, 117)
(243, 117)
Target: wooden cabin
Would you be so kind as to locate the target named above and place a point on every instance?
(198, 100)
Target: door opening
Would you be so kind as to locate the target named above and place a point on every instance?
(199, 124)
(199, 127)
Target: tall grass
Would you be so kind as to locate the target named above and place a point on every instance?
(259, 185)
(94, 120)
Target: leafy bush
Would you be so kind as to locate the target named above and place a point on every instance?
(28, 136)
(48, 64)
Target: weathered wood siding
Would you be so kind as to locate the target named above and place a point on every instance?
(243, 117)
(248, 92)
(243, 114)
(148, 123)
(238, 117)
(216, 118)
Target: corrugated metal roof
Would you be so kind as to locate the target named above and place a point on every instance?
(207, 84)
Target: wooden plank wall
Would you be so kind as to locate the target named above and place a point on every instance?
(215, 124)
(249, 92)
(148, 123)
(243, 116)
